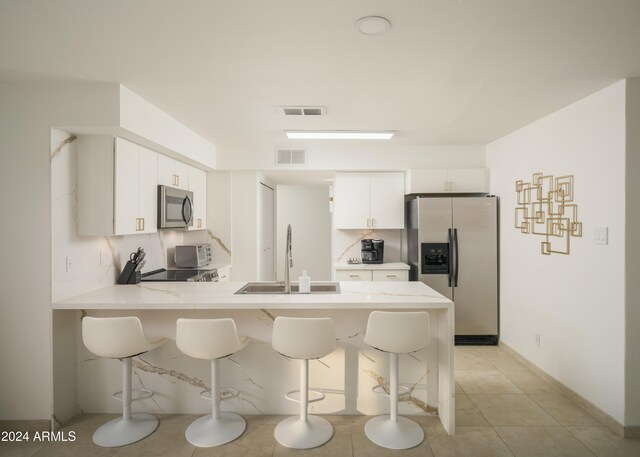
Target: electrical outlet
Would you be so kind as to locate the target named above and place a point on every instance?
(537, 339)
(71, 263)
(105, 259)
(601, 235)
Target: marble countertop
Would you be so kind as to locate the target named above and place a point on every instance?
(372, 266)
(220, 295)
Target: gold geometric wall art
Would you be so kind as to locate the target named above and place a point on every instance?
(545, 206)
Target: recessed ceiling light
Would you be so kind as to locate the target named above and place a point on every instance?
(373, 25)
(337, 135)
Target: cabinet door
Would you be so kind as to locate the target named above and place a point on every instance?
(198, 185)
(181, 170)
(468, 179)
(387, 200)
(147, 191)
(390, 275)
(172, 172)
(426, 181)
(166, 176)
(353, 275)
(351, 206)
(126, 218)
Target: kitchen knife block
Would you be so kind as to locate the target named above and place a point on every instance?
(129, 275)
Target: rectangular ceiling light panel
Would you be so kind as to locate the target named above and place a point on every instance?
(337, 135)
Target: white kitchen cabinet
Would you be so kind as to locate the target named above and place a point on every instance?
(198, 185)
(452, 180)
(390, 275)
(172, 172)
(365, 274)
(224, 274)
(369, 200)
(116, 193)
(353, 275)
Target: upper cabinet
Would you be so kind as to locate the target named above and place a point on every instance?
(438, 180)
(198, 185)
(116, 193)
(369, 200)
(172, 172)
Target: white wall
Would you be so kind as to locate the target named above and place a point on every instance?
(27, 115)
(576, 302)
(306, 208)
(632, 264)
(358, 155)
(218, 232)
(244, 226)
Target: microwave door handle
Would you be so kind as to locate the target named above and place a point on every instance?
(186, 201)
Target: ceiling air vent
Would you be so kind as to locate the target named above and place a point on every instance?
(303, 110)
(291, 156)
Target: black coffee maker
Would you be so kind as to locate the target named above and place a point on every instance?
(372, 251)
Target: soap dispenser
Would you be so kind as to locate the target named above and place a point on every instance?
(304, 283)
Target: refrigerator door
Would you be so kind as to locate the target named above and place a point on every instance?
(434, 222)
(476, 270)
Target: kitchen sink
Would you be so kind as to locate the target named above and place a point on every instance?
(278, 288)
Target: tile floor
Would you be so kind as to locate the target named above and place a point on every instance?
(502, 409)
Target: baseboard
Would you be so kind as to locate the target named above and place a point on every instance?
(632, 432)
(596, 412)
(30, 426)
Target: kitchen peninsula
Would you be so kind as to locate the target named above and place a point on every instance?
(260, 374)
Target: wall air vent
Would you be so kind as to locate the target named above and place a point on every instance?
(291, 156)
(304, 110)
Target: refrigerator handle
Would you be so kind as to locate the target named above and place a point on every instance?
(450, 257)
(457, 264)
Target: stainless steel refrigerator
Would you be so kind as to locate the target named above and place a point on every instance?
(452, 246)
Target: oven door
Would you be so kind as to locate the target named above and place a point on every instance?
(175, 208)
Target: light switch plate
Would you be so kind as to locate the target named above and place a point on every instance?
(105, 259)
(601, 235)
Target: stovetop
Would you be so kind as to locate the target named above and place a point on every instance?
(181, 275)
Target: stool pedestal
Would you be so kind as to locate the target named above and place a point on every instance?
(130, 427)
(216, 428)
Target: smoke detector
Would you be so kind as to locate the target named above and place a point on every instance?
(373, 25)
(303, 110)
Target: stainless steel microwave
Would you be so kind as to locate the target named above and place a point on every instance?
(175, 208)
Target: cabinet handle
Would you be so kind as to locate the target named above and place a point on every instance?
(368, 222)
(354, 276)
(373, 222)
(141, 223)
(176, 180)
(447, 186)
(199, 223)
(391, 276)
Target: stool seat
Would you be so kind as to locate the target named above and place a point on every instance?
(121, 338)
(303, 339)
(396, 333)
(212, 339)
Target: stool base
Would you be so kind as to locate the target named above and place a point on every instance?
(209, 432)
(297, 434)
(401, 434)
(120, 432)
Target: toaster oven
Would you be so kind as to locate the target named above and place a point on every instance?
(192, 255)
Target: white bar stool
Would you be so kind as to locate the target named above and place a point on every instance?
(396, 333)
(212, 339)
(121, 338)
(304, 339)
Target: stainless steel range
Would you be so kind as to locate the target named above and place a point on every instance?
(181, 275)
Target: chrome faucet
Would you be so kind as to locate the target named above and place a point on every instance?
(288, 262)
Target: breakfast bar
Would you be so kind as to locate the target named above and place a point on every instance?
(261, 375)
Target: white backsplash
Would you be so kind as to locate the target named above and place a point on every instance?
(96, 261)
(346, 244)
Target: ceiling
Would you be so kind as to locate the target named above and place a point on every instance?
(448, 71)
